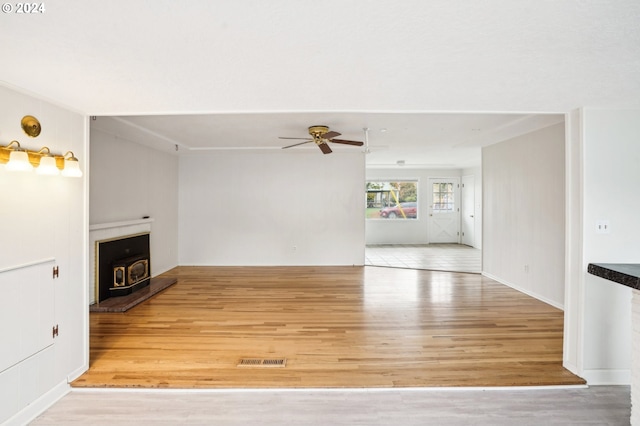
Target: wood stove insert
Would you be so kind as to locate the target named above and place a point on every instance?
(123, 265)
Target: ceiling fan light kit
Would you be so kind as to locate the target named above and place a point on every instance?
(321, 135)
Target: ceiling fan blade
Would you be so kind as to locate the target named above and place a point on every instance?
(282, 137)
(356, 143)
(325, 148)
(330, 135)
(295, 144)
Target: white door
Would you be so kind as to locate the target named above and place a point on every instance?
(467, 210)
(444, 212)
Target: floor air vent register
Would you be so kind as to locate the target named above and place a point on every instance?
(258, 362)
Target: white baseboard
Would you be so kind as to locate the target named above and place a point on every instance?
(569, 366)
(525, 291)
(37, 407)
(77, 373)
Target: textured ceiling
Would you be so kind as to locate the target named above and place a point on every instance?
(348, 62)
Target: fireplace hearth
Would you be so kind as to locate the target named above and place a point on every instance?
(123, 266)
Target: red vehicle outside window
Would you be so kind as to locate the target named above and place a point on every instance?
(410, 211)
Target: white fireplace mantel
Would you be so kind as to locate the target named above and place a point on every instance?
(124, 223)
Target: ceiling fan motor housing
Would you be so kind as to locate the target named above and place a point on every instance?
(317, 132)
(320, 135)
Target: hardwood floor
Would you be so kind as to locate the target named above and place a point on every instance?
(336, 326)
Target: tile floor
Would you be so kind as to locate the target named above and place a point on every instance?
(437, 257)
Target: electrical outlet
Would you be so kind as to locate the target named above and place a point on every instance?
(602, 226)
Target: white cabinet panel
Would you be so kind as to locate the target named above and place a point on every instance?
(9, 383)
(27, 311)
(25, 382)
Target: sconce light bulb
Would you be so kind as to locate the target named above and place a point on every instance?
(47, 166)
(19, 162)
(71, 168)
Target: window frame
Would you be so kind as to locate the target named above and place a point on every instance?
(390, 195)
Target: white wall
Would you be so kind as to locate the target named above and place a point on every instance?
(380, 231)
(129, 181)
(44, 217)
(271, 208)
(611, 171)
(524, 213)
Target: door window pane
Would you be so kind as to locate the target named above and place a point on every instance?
(443, 198)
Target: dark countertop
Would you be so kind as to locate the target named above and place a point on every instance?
(627, 274)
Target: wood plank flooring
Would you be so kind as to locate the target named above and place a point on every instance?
(337, 327)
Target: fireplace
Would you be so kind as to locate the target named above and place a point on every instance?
(123, 265)
(129, 274)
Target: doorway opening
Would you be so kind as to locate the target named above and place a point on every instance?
(440, 233)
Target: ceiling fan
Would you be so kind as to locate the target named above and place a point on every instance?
(321, 135)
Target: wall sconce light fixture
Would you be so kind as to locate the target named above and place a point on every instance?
(47, 164)
(18, 159)
(71, 166)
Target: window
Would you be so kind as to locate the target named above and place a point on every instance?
(392, 200)
(443, 200)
